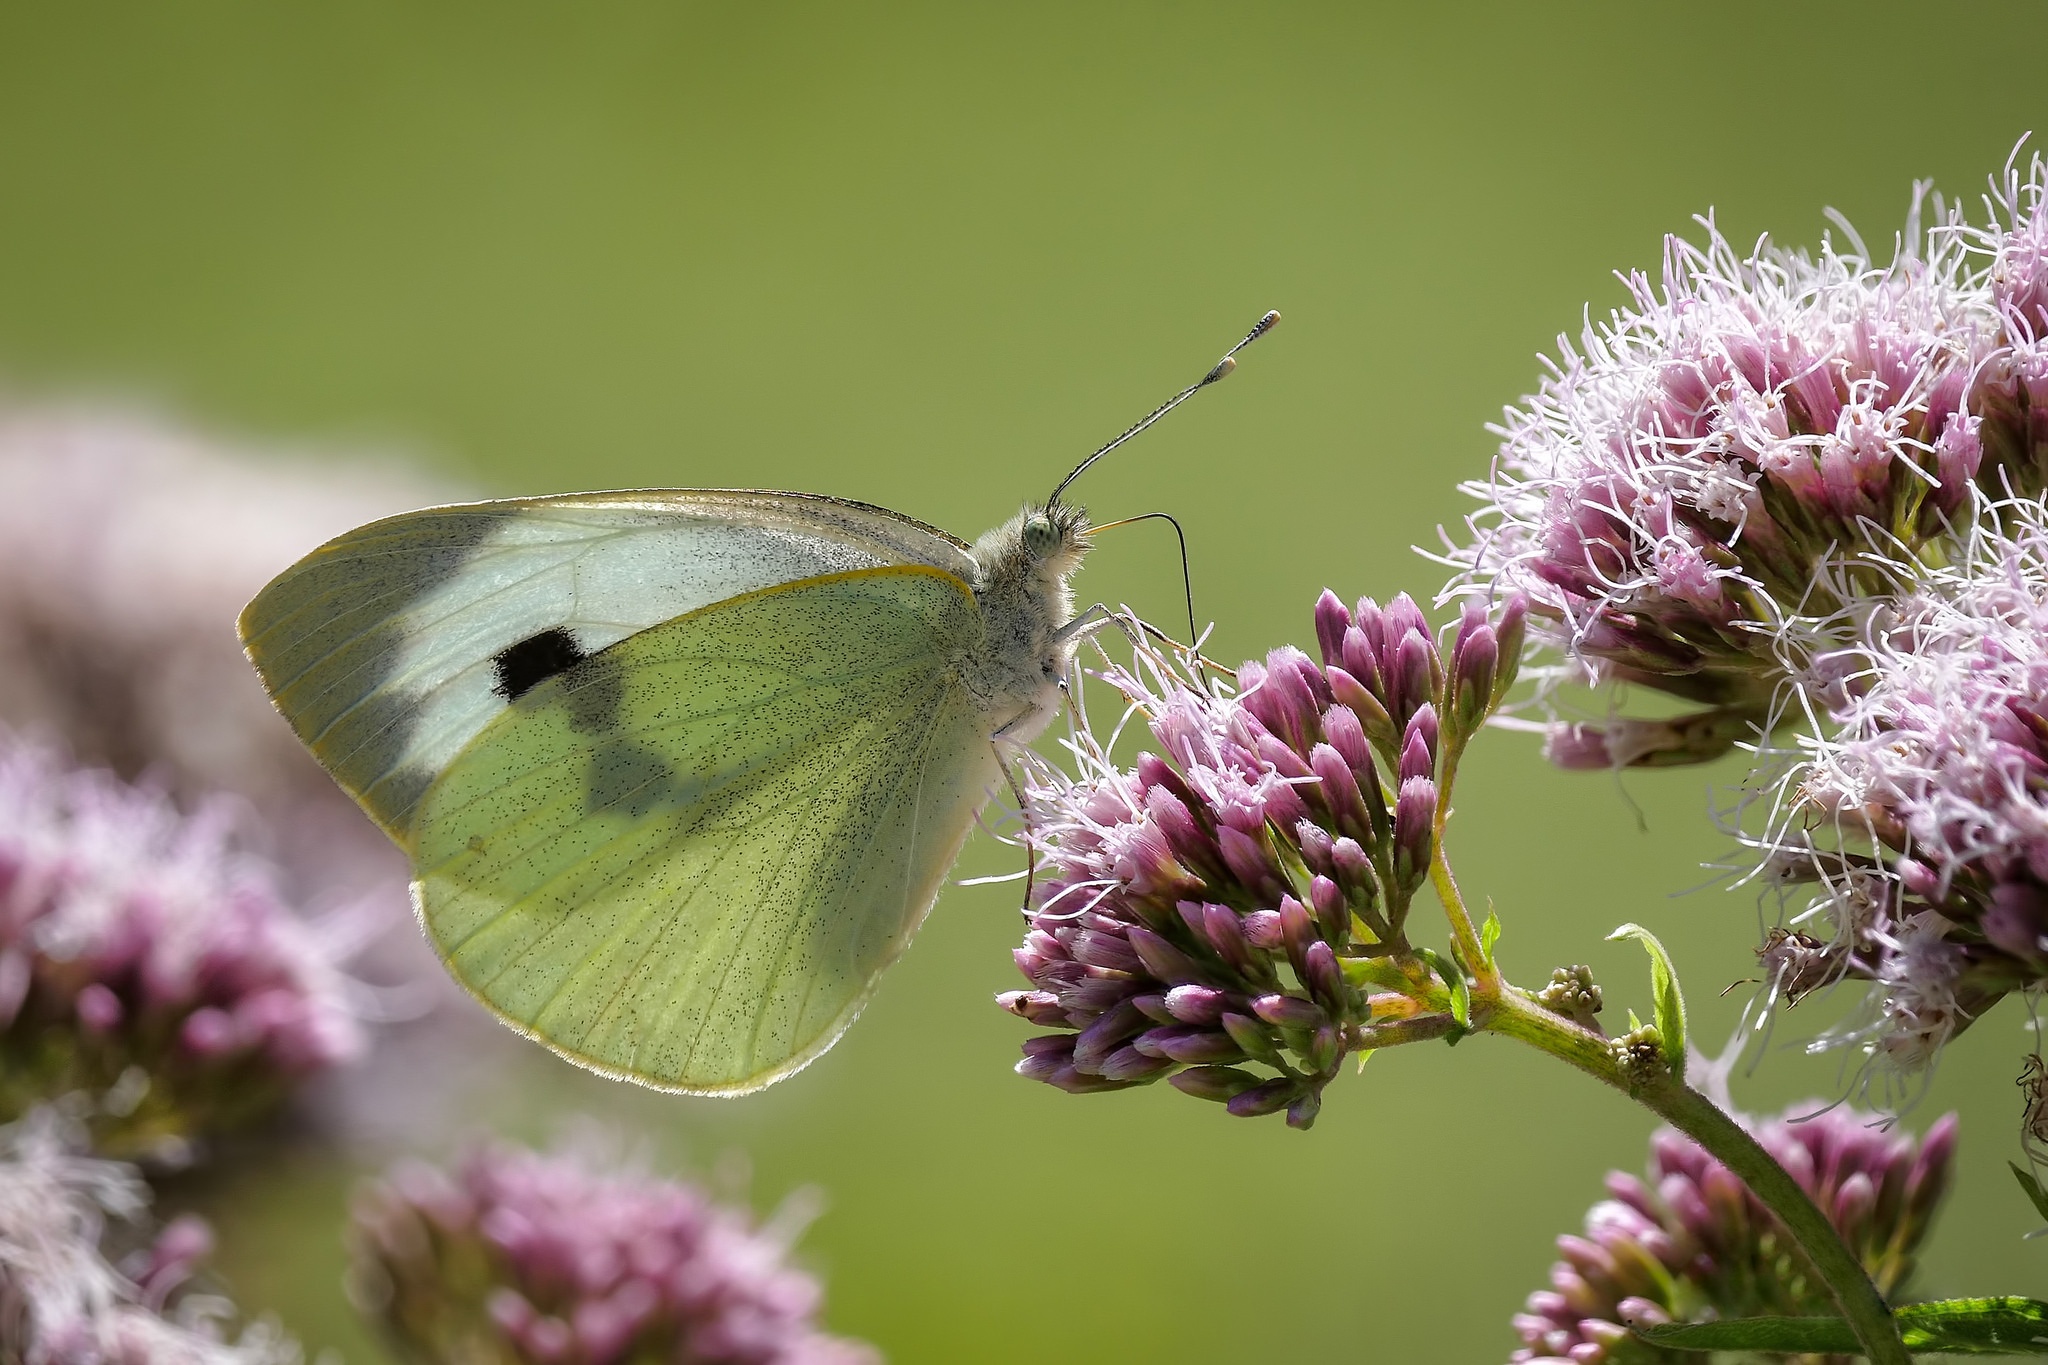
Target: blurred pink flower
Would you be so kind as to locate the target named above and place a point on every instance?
(63, 1303)
(127, 549)
(513, 1256)
(1693, 1243)
(149, 963)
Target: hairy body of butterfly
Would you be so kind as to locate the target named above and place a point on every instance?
(679, 772)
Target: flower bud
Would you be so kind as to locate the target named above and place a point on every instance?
(1262, 930)
(1473, 667)
(1332, 620)
(1509, 636)
(1196, 1004)
(1333, 916)
(1106, 1034)
(1226, 936)
(1187, 1044)
(1414, 817)
(1270, 1097)
(1288, 1011)
(1220, 1083)
(1418, 746)
(1373, 716)
(1346, 804)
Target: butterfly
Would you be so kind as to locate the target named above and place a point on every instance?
(679, 772)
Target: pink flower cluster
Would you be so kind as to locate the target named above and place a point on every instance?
(148, 962)
(513, 1256)
(1941, 761)
(63, 1303)
(1694, 1243)
(1191, 915)
(1691, 490)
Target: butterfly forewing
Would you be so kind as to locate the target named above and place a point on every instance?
(686, 858)
(391, 647)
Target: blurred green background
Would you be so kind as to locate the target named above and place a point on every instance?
(927, 257)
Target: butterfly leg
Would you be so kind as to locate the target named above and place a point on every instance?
(1030, 859)
(1094, 619)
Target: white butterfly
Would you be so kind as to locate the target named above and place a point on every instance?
(679, 772)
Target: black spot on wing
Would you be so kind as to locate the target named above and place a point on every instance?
(531, 662)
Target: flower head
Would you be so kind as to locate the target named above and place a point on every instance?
(513, 1256)
(61, 1300)
(1689, 495)
(1193, 916)
(1936, 778)
(148, 963)
(1693, 1242)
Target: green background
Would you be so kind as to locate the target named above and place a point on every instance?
(927, 257)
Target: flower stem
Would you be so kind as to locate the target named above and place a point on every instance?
(1471, 953)
(1693, 1114)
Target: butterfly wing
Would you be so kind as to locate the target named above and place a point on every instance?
(390, 648)
(686, 859)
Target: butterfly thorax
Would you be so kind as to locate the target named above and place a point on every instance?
(1021, 586)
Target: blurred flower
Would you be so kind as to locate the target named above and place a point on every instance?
(1692, 499)
(148, 963)
(1191, 916)
(517, 1257)
(1693, 1243)
(127, 547)
(62, 1303)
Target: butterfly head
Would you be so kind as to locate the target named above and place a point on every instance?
(1055, 535)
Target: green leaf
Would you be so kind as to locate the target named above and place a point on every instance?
(1810, 1336)
(1489, 934)
(1461, 994)
(2033, 1189)
(1989, 1327)
(1993, 1327)
(1664, 986)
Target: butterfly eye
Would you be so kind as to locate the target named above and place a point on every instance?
(1041, 537)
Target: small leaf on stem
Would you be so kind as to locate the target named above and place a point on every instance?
(1664, 986)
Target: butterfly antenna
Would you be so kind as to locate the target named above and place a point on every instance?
(1216, 372)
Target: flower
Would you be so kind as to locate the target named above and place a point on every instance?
(1753, 453)
(149, 963)
(1937, 779)
(513, 1256)
(1204, 915)
(1694, 1243)
(62, 1301)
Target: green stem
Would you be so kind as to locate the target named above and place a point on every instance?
(1693, 1114)
(1471, 952)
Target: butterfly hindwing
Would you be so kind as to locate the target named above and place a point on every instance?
(389, 648)
(687, 857)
